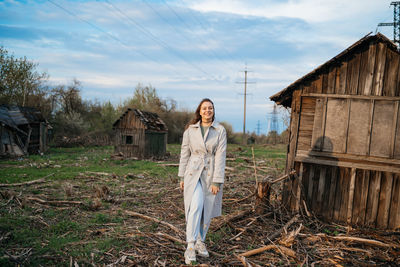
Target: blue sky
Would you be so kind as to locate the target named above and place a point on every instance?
(187, 49)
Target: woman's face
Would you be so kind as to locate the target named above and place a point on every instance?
(206, 111)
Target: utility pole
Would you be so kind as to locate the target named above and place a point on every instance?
(244, 104)
(258, 127)
(395, 23)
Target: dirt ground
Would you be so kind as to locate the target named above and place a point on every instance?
(133, 216)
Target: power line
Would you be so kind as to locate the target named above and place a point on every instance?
(101, 30)
(159, 41)
(190, 30)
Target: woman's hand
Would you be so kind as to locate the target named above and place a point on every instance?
(181, 185)
(214, 189)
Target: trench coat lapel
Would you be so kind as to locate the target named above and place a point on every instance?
(199, 136)
(213, 125)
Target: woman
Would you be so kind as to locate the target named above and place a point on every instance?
(202, 170)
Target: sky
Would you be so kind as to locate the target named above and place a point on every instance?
(188, 49)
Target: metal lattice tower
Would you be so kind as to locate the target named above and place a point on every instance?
(273, 123)
(395, 23)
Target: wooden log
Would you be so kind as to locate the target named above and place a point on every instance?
(274, 235)
(283, 250)
(370, 242)
(136, 214)
(262, 196)
(41, 180)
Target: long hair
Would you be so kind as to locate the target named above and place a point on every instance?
(197, 116)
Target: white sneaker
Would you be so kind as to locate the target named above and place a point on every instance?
(201, 249)
(190, 255)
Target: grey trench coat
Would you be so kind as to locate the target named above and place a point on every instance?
(208, 154)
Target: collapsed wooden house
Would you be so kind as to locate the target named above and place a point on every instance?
(140, 134)
(23, 130)
(345, 136)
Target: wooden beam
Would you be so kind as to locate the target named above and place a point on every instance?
(347, 164)
(351, 195)
(365, 97)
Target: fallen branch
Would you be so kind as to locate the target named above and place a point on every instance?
(242, 199)
(364, 241)
(274, 235)
(54, 202)
(135, 214)
(283, 250)
(283, 177)
(41, 180)
(99, 173)
(166, 236)
(232, 217)
(243, 260)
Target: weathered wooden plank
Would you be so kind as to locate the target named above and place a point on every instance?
(350, 204)
(332, 192)
(359, 126)
(372, 97)
(299, 187)
(318, 127)
(394, 128)
(345, 194)
(382, 129)
(331, 80)
(326, 190)
(394, 217)
(341, 89)
(353, 71)
(377, 86)
(347, 164)
(324, 83)
(308, 105)
(295, 186)
(373, 198)
(321, 188)
(396, 153)
(294, 129)
(336, 126)
(338, 195)
(355, 217)
(314, 203)
(391, 73)
(310, 185)
(367, 77)
(364, 196)
(305, 180)
(385, 197)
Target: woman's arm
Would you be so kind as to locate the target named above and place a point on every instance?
(220, 157)
(185, 154)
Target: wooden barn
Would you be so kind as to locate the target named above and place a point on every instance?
(23, 130)
(140, 134)
(345, 136)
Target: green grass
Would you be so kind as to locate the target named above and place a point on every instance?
(81, 231)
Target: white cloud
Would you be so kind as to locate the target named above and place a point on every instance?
(308, 10)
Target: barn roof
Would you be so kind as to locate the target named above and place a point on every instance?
(151, 121)
(284, 97)
(7, 120)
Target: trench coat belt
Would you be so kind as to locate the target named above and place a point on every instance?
(202, 156)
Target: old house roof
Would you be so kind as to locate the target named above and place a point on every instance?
(284, 97)
(151, 121)
(6, 119)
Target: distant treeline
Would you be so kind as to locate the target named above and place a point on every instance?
(77, 121)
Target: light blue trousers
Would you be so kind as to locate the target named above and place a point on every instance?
(195, 222)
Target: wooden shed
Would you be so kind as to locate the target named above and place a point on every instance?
(23, 130)
(140, 134)
(345, 136)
